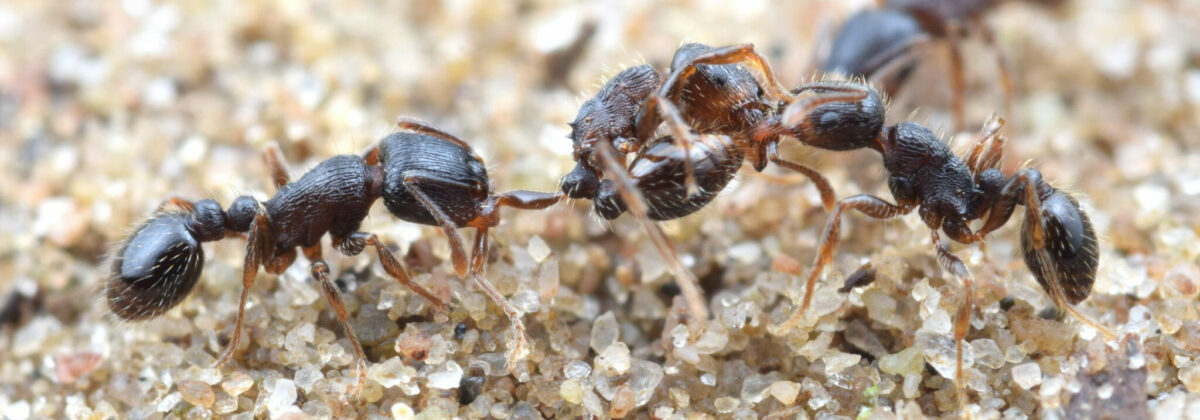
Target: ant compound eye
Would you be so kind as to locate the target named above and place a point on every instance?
(156, 268)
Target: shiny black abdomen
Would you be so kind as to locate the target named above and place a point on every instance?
(1070, 244)
(156, 269)
(860, 45)
(659, 174)
(452, 176)
(333, 197)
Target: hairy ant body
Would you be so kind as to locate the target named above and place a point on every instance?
(1058, 241)
(720, 104)
(424, 176)
(883, 45)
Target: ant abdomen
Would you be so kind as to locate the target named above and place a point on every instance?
(868, 39)
(155, 269)
(419, 166)
(660, 169)
(1068, 253)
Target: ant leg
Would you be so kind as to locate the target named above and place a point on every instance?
(797, 112)
(962, 320)
(320, 272)
(637, 206)
(743, 54)
(185, 205)
(458, 252)
(887, 68)
(1002, 67)
(1025, 182)
(827, 196)
(988, 150)
(957, 78)
(478, 260)
(869, 205)
(277, 163)
(354, 243)
(258, 251)
(683, 137)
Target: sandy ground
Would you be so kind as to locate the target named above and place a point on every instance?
(108, 108)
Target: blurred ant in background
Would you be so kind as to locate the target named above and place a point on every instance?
(424, 176)
(884, 45)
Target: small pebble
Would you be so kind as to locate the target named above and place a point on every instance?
(237, 383)
(622, 402)
(196, 393)
(469, 388)
(1027, 375)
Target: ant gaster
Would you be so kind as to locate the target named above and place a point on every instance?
(884, 44)
(424, 176)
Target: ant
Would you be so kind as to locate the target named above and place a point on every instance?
(424, 176)
(882, 44)
(1058, 242)
(675, 175)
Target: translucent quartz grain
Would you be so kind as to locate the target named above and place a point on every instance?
(1027, 375)
(447, 377)
(237, 383)
(281, 396)
(605, 332)
(538, 249)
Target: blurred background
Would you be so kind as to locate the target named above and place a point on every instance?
(107, 108)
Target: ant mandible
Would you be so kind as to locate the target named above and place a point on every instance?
(675, 175)
(883, 44)
(424, 176)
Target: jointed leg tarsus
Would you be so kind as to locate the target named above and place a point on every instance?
(683, 137)
(320, 272)
(637, 206)
(257, 252)
(869, 205)
(277, 164)
(828, 198)
(355, 242)
(478, 260)
(458, 251)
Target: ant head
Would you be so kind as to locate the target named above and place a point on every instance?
(207, 221)
(835, 116)
(1065, 256)
(612, 113)
(156, 268)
